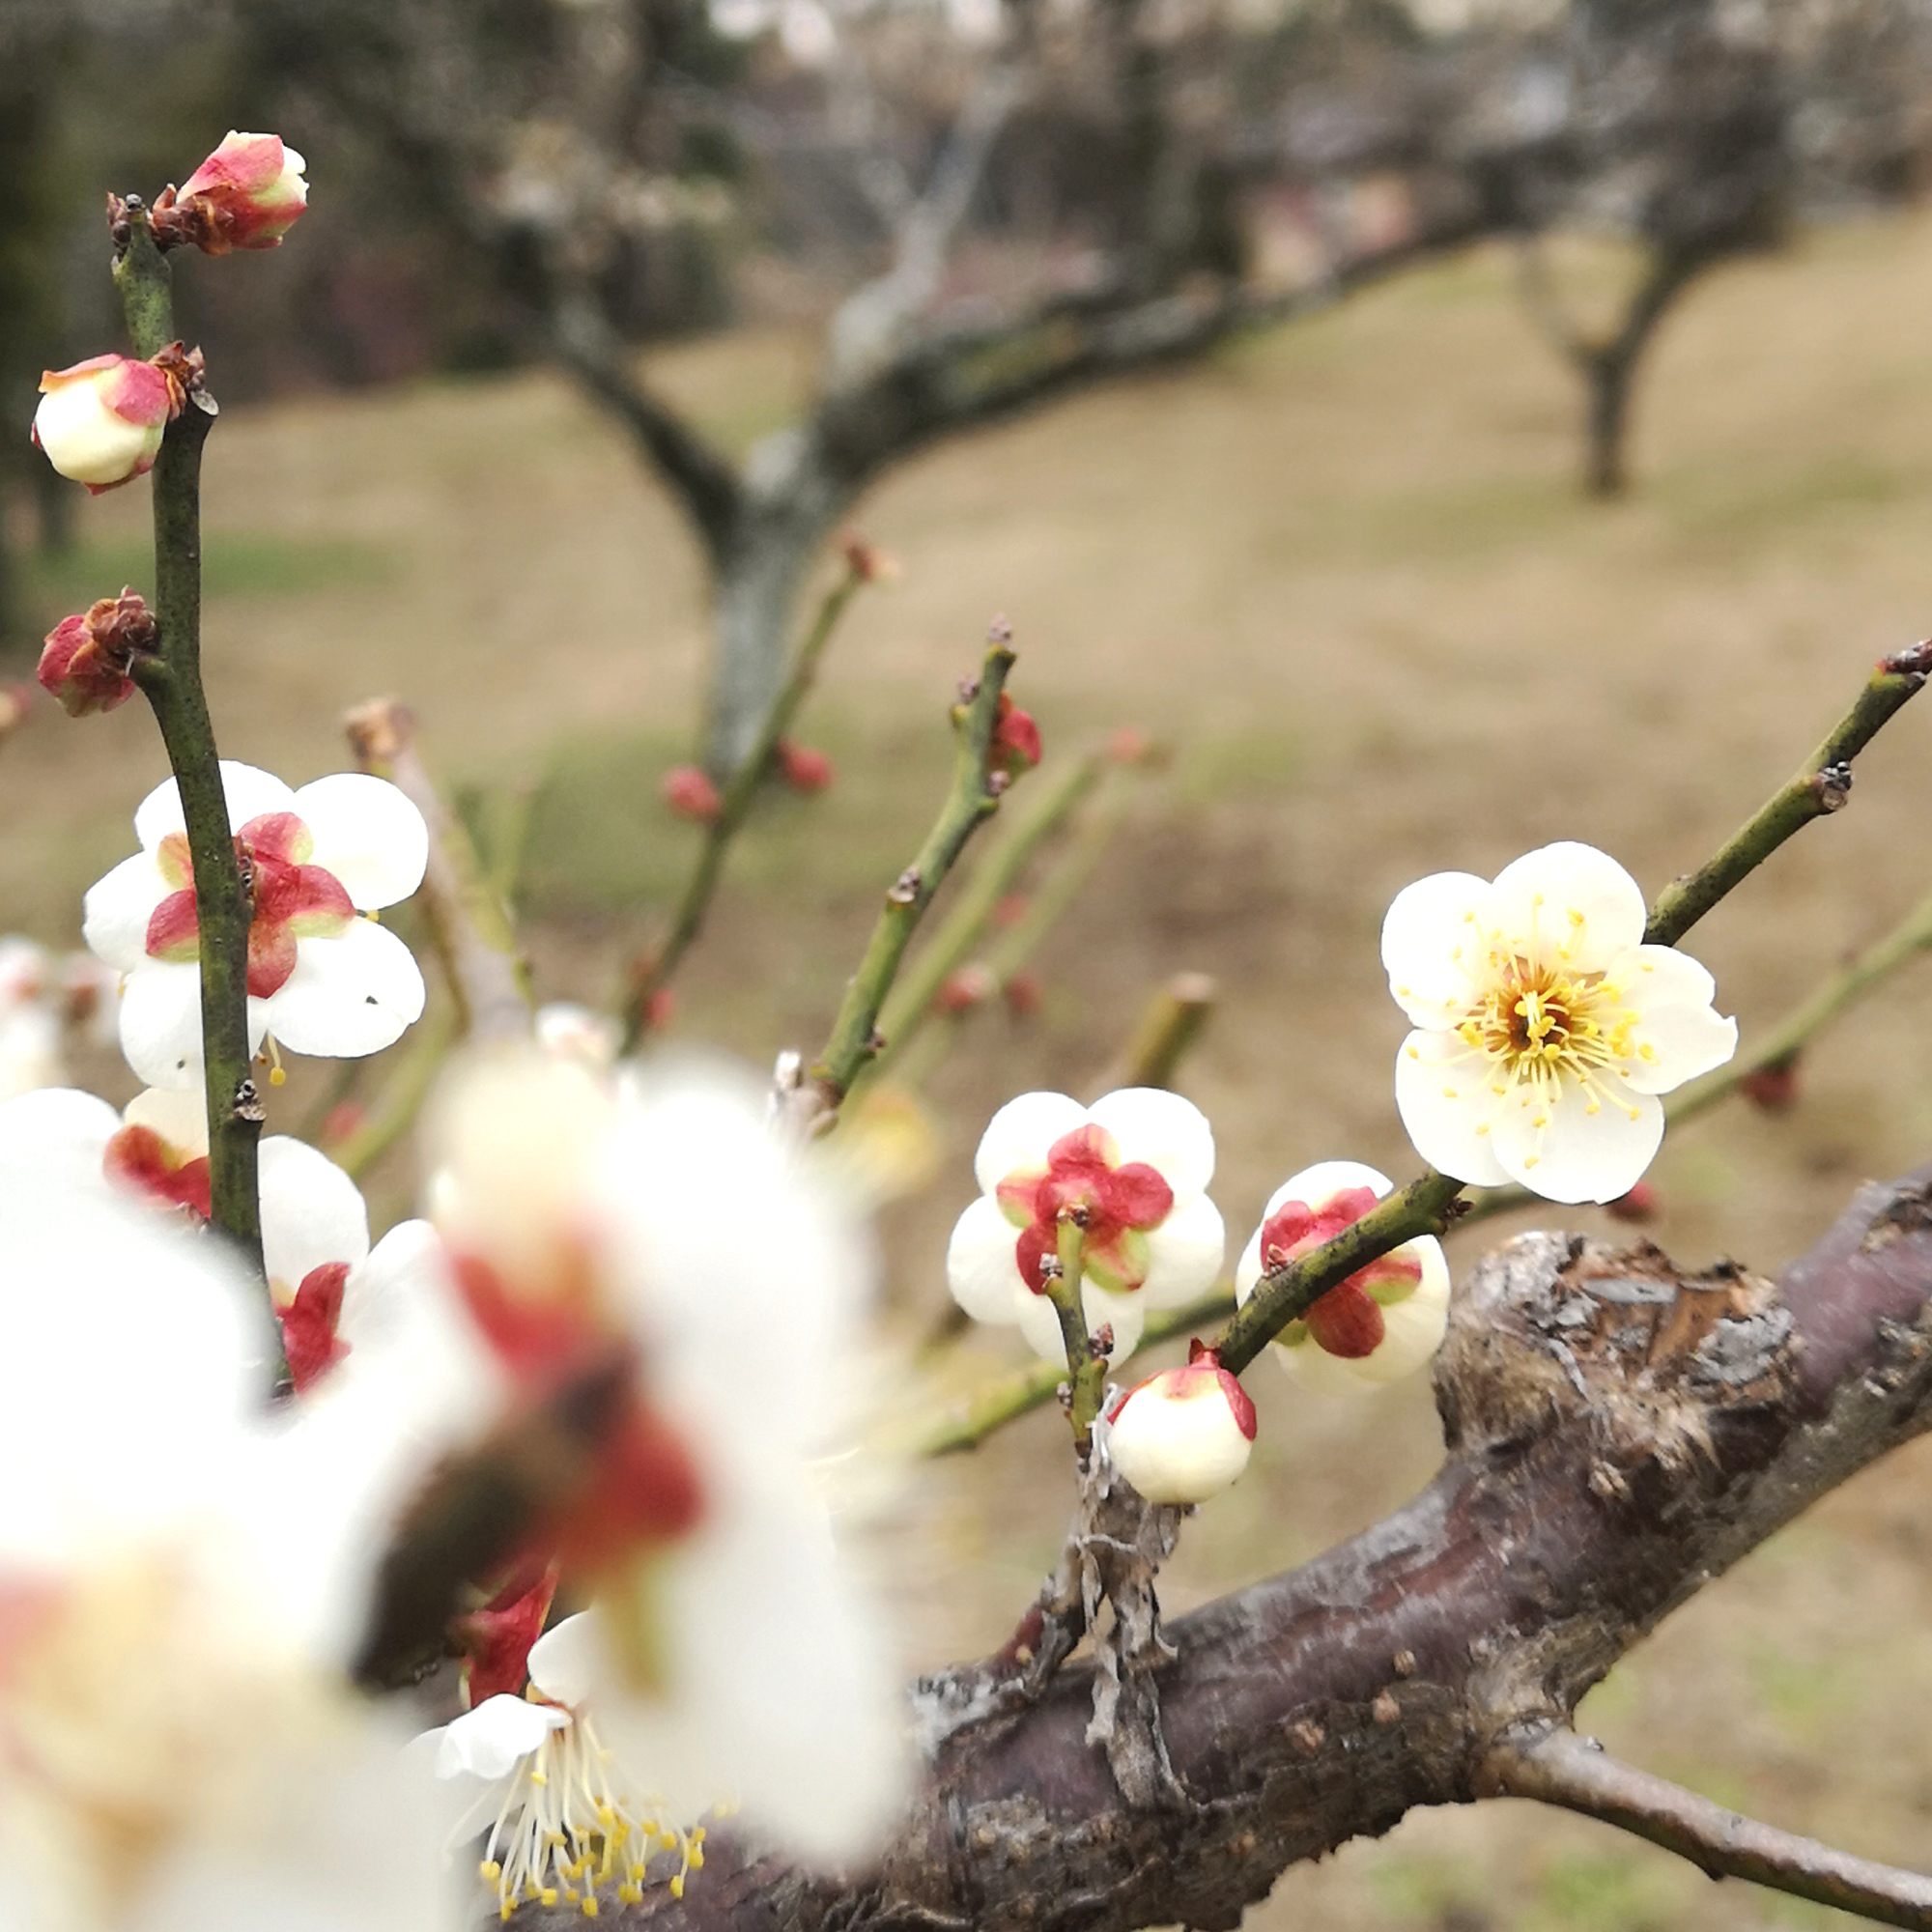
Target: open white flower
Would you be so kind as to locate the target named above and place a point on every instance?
(566, 1820)
(173, 1750)
(1138, 1163)
(1544, 1027)
(658, 1222)
(320, 980)
(1385, 1320)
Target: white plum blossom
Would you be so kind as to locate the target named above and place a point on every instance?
(656, 1220)
(320, 979)
(575, 1033)
(1545, 1028)
(30, 1025)
(1385, 1320)
(1137, 1163)
(174, 1748)
(566, 1819)
(1184, 1434)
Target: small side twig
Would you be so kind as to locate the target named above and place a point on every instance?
(1168, 1028)
(468, 922)
(1576, 1774)
(972, 798)
(1822, 784)
(734, 805)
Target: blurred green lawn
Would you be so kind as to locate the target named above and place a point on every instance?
(1344, 568)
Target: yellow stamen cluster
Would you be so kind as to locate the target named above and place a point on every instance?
(568, 1831)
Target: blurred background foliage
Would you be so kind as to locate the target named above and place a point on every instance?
(1340, 567)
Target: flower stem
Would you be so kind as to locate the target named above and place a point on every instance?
(855, 1040)
(1170, 1025)
(735, 806)
(1822, 784)
(171, 680)
(1086, 1366)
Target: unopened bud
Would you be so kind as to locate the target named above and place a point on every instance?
(964, 990)
(87, 658)
(866, 564)
(691, 794)
(1773, 1088)
(1016, 747)
(1638, 1205)
(247, 195)
(1128, 745)
(1023, 994)
(1183, 1434)
(101, 421)
(801, 768)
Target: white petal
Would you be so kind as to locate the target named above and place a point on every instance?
(981, 1267)
(179, 1115)
(1321, 1183)
(1432, 935)
(1412, 1332)
(1442, 1093)
(312, 1213)
(1672, 995)
(349, 995)
(53, 1139)
(160, 1022)
(1248, 1271)
(1573, 902)
(402, 1296)
(1125, 1314)
(564, 1660)
(1580, 1156)
(488, 1740)
(1020, 1133)
(249, 793)
(368, 834)
(1164, 1130)
(1185, 1254)
(1177, 1438)
(118, 908)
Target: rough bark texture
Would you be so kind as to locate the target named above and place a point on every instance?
(1619, 1435)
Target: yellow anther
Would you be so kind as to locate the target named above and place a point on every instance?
(1448, 1093)
(606, 1816)
(537, 1776)
(547, 1895)
(677, 1884)
(590, 1905)
(629, 1893)
(1647, 1052)
(490, 1871)
(278, 1076)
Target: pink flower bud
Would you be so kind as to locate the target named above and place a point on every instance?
(1184, 1434)
(691, 794)
(87, 657)
(1638, 1205)
(1016, 746)
(1773, 1088)
(963, 990)
(801, 768)
(101, 421)
(247, 195)
(1023, 995)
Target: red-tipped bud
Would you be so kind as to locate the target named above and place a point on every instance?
(1130, 745)
(964, 990)
(866, 564)
(343, 1121)
(247, 195)
(1023, 995)
(691, 794)
(801, 768)
(1774, 1088)
(1184, 1434)
(1016, 747)
(101, 421)
(87, 658)
(1010, 910)
(1638, 1205)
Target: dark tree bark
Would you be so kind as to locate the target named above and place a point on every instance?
(1619, 1434)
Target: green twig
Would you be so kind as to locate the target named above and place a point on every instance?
(735, 804)
(905, 1013)
(401, 1101)
(1085, 1365)
(171, 680)
(1822, 784)
(1171, 1024)
(855, 1039)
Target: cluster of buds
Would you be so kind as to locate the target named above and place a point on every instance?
(100, 422)
(88, 657)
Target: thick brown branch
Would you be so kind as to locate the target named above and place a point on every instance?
(1580, 1775)
(1619, 1434)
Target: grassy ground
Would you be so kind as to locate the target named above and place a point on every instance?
(1345, 569)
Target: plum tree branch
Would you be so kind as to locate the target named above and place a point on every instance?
(1578, 1773)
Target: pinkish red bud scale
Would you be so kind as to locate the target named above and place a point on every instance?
(100, 422)
(87, 658)
(1638, 1205)
(801, 768)
(1773, 1088)
(691, 794)
(247, 195)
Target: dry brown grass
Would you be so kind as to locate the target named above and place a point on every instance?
(1346, 570)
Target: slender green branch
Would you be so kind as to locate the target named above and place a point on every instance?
(1171, 1025)
(401, 1101)
(855, 1039)
(990, 1408)
(1085, 1364)
(905, 1013)
(1822, 784)
(735, 804)
(171, 680)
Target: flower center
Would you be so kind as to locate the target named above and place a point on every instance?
(291, 900)
(570, 1826)
(1118, 1204)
